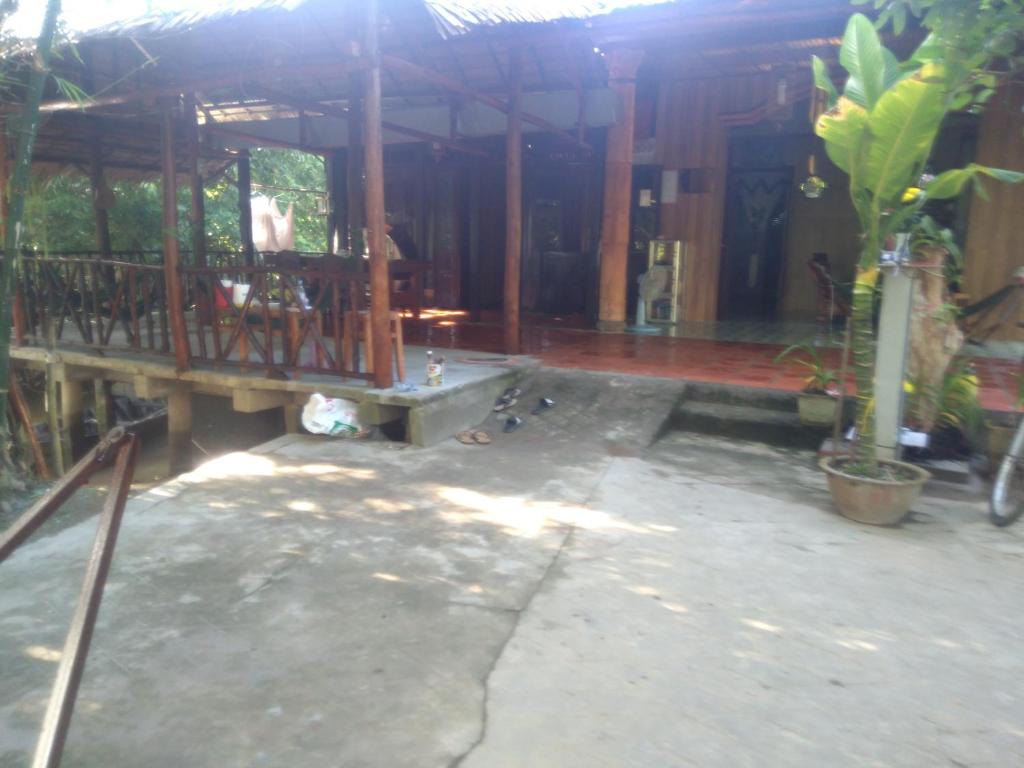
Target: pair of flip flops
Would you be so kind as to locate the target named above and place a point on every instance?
(508, 398)
(476, 437)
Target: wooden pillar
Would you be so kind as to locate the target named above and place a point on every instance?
(172, 257)
(337, 201)
(179, 430)
(195, 179)
(245, 206)
(100, 201)
(618, 182)
(476, 281)
(513, 204)
(380, 283)
(355, 193)
(103, 406)
(72, 410)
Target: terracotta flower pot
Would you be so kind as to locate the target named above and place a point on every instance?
(876, 502)
(816, 410)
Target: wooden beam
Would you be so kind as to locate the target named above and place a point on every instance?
(262, 141)
(172, 277)
(342, 112)
(209, 83)
(513, 203)
(409, 69)
(618, 182)
(195, 178)
(355, 191)
(244, 184)
(380, 282)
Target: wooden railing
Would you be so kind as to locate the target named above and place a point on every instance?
(298, 314)
(81, 299)
(295, 318)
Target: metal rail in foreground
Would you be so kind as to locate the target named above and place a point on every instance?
(119, 449)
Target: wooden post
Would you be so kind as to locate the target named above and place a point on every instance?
(245, 206)
(618, 182)
(72, 411)
(513, 203)
(195, 179)
(175, 298)
(179, 430)
(100, 200)
(380, 282)
(337, 201)
(355, 194)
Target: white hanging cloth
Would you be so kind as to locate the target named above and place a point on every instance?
(272, 230)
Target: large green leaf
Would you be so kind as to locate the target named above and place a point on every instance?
(823, 80)
(951, 183)
(902, 129)
(843, 129)
(862, 55)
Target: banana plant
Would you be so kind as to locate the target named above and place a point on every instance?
(880, 130)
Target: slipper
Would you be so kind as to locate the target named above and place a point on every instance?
(466, 438)
(512, 392)
(481, 438)
(504, 403)
(544, 404)
(512, 424)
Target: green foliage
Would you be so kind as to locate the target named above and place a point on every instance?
(821, 376)
(59, 214)
(978, 41)
(880, 131)
(954, 402)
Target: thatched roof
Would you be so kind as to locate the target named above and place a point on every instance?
(452, 17)
(257, 66)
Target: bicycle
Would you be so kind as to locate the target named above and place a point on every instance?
(1007, 502)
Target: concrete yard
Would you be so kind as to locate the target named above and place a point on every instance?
(588, 591)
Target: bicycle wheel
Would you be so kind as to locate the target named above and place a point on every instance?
(1007, 501)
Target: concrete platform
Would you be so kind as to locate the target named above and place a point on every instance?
(429, 414)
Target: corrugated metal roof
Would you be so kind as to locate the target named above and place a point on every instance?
(458, 16)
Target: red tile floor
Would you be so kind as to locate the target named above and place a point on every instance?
(739, 363)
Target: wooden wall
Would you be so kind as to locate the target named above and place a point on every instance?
(995, 233)
(692, 133)
(828, 224)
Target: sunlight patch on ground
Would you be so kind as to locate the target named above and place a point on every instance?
(521, 517)
(762, 625)
(42, 653)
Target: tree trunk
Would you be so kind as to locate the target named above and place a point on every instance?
(27, 125)
(862, 345)
(935, 337)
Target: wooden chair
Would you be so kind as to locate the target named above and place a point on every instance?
(832, 303)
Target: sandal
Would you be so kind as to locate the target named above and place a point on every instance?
(481, 438)
(544, 404)
(512, 424)
(466, 438)
(503, 403)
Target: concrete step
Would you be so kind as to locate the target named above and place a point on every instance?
(775, 426)
(731, 394)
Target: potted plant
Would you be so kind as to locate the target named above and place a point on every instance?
(880, 130)
(817, 401)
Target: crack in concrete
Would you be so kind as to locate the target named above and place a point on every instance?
(458, 760)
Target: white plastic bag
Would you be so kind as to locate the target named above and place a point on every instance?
(333, 416)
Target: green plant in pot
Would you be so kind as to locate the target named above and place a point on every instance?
(880, 131)
(816, 405)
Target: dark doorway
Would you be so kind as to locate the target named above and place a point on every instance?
(754, 242)
(557, 236)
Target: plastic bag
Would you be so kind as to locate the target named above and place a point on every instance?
(333, 416)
